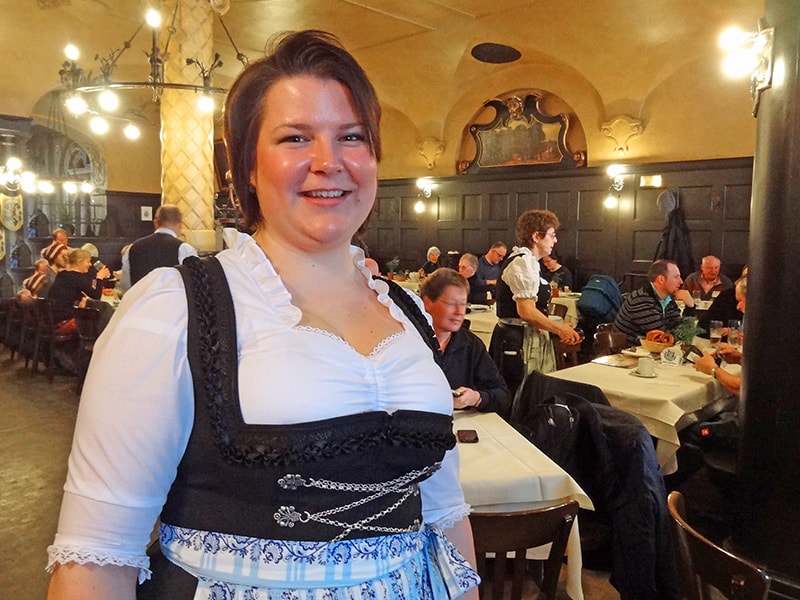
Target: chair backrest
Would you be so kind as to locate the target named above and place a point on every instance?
(604, 327)
(558, 310)
(505, 532)
(701, 562)
(566, 354)
(88, 320)
(609, 342)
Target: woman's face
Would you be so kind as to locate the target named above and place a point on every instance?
(544, 243)
(315, 175)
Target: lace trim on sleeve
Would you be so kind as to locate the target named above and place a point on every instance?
(453, 517)
(75, 554)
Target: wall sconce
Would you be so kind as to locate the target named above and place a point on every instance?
(749, 53)
(615, 185)
(426, 186)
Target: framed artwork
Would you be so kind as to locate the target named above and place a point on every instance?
(521, 135)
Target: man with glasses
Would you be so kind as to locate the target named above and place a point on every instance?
(468, 268)
(489, 264)
(473, 376)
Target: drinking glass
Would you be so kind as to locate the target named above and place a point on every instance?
(735, 334)
(715, 333)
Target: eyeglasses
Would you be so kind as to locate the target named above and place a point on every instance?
(551, 234)
(454, 304)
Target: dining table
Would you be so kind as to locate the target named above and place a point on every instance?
(673, 398)
(570, 300)
(504, 472)
(482, 320)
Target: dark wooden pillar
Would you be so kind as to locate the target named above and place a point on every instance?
(769, 528)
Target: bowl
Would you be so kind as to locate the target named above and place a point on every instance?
(651, 346)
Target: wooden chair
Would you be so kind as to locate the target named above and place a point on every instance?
(47, 340)
(566, 354)
(609, 342)
(501, 533)
(557, 310)
(604, 327)
(88, 320)
(701, 563)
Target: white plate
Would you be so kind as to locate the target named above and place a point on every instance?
(479, 308)
(637, 374)
(638, 351)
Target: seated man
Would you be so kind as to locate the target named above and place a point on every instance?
(707, 280)
(467, 365)
(468, 267)
(489, 265)
(653, 306)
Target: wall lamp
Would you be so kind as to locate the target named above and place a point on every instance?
(14, 179)
(749, 53)
(617, 182)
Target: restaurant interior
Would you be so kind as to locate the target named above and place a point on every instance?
(611, 113)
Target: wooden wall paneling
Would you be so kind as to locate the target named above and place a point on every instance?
(596, 230)
(735, 227)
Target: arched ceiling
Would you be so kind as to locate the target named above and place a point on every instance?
(654, 60)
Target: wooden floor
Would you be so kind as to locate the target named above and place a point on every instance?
(35, 435)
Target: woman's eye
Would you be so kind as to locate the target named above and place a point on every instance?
(293, 139)
(354, 137)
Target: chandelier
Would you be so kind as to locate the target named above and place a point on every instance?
(96, 96)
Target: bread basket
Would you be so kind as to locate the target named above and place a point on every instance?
(651, 346)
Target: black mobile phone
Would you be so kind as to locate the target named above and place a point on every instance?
(467, 436)
(691, 350)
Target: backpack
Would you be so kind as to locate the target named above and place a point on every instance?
(601, 298)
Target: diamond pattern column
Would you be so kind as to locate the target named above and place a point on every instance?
(187, 135)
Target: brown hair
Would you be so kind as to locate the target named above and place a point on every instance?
(314, 53)
(441, 279)
(532, 221)
(659, 267)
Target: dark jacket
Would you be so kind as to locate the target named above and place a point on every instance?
(466, 362)
(613, 459)
(148, 253)
(675, 244)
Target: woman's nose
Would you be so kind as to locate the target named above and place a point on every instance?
(326, 158)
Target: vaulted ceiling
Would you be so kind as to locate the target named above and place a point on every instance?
(652, 61)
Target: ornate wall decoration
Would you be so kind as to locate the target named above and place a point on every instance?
(430, 149)
(620, 130)
(521, 135)
(11, 211)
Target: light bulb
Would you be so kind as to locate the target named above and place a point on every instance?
(132, 132)
(731, 38)
(76, 104)
(70, 187)
(13, 163)
(71, 52)
(46, 187)
(610, 201)
(205, 103)
(108, 101)
(419, 207)
(153, 18)
(98, 125)
(739, 63)
(86, 187)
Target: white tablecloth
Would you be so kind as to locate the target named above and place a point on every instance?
(571, 302)
(661, 403)
(505, 472)
(482, 323)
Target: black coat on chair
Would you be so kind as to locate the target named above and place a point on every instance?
(612, 457)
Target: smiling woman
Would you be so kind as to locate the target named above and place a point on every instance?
(307, 441)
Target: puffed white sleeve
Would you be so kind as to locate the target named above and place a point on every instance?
(522, 277)
(134, 420)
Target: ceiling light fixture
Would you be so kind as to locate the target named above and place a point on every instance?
(749, 53)
(97, 95)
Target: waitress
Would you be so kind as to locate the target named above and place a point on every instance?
(523, 296)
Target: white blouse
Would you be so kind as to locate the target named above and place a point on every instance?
(137, 409)
(523, 275)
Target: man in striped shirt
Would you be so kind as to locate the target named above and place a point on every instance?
(653, 306)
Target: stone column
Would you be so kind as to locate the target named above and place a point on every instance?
(187, 135)
(768, 527)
